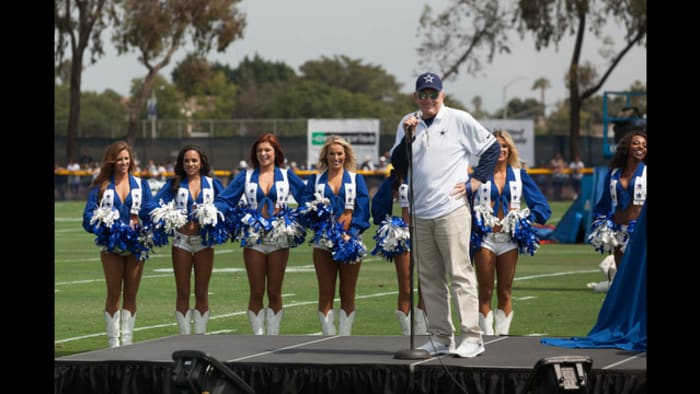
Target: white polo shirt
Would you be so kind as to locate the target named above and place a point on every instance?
(441, 156)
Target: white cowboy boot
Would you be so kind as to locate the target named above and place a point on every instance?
(200, 321)
(404, 322)
(345, 323)
(420, 322)
(272, 321)
(502, 322)
(486, 323)
(327, 323)
(183, 322)
(112, 329)
(127, 326)
(257, 322)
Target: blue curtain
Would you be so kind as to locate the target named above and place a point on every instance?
(622, 321)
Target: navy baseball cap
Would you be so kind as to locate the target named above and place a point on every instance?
(428, 81)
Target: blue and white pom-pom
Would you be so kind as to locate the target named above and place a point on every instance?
(623, 236)
(253, 228)
(393, 238)
(105, 225)
(120, 238)
(326, 234)
(517, 223)
(349, 251)
(603, 236)
(104, 217)
(316, 212)
(483, 223)
(213, 229)
(286, 231)
(233, 223)
(484, 218)
(167, 219)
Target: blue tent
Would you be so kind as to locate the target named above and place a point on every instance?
(622, 321)
(578, 218)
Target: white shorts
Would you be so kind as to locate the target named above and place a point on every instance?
(265, 248)
(322, 247)
(498, 243)
(190, 243)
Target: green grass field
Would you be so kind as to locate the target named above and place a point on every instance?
(550, 294)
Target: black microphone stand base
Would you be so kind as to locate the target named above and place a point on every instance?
(412, 354)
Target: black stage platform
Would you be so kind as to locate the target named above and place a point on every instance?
(348, 364)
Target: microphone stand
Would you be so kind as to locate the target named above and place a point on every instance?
(412, 353)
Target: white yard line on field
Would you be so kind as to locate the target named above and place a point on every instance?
(292, 305)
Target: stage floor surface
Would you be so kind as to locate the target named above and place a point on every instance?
(502, 353)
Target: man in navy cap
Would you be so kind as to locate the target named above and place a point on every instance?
(443, 141)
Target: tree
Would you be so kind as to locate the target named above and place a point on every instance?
(156, 29)
(477, 102)
(451, 47)
(542, 84)
(315, 99)
(257, 82)
(549, 21)
(350, 74)
(191, 74)
(452, 38)
(79, 25)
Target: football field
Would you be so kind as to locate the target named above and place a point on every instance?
(550, 293)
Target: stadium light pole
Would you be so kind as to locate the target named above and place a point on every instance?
(505, 90)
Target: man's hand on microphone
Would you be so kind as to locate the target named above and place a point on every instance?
(409, 125)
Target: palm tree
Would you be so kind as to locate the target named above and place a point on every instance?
(476, 101)
(542, 84)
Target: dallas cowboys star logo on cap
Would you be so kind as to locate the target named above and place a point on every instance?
(428, 78)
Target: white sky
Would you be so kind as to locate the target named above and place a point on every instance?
(383, 33)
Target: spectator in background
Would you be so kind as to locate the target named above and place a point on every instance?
(293, 166)
(382, 163)
(74, 180)
(60, 180)
(111, 212)
(242, 166)
(557, 165)
(367, 164)
(152, 169)
(161, 172)
(86, 159)
(576, 166)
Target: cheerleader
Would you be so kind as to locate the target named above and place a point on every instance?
(501, 229)
(184, 210)
(255, 203)
(111, 213)
(394, 244)
(624, 194)
(335, 205)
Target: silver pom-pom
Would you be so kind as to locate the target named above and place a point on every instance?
(207, 214)
(510, 221)
(105, 215)
(486, 215)
(604, 239)
(318, 200)
(169, 217)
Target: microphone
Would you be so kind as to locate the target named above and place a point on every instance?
(409, 130)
